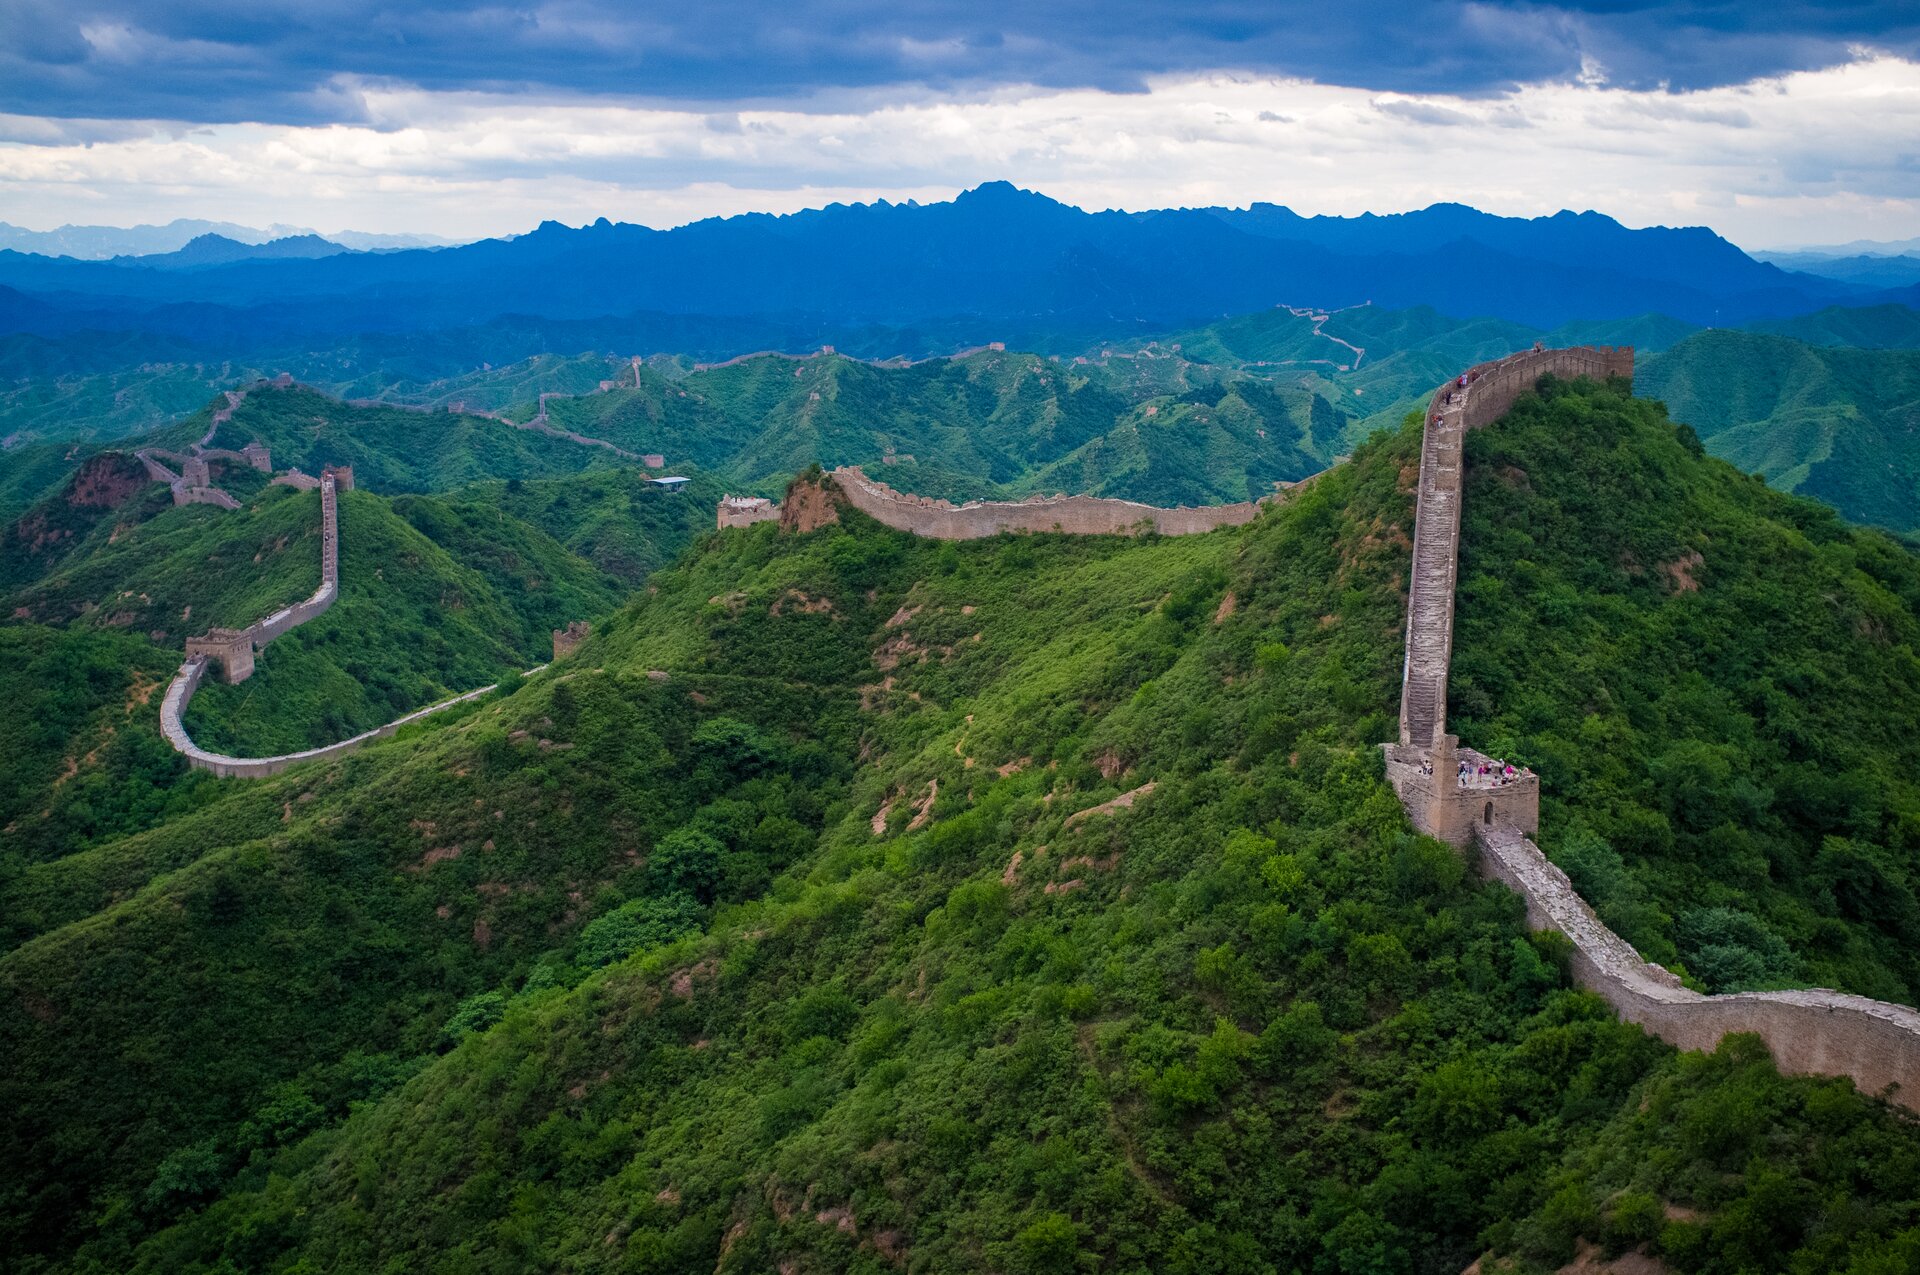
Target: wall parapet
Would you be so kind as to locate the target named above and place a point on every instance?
(1813, 1031)
(1816, 1031)
(187, 681)
(1072, 515)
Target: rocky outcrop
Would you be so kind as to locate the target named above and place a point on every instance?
(107, 481)
(809, 504)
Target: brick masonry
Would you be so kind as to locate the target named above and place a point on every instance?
(1816, 1031)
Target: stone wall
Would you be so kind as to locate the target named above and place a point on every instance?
(1818, 1032)
(1490, 390)
(188, 680)
(1074, 515)
(744, 511)
(235, 648)
(229, 642)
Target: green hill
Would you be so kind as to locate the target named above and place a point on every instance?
(421, 616)
(1837, 424)
(1025, 904)
(1880, 327)
(437, 597)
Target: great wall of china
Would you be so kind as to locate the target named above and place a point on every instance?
(978, 519)
(1817, 1032)
(1874, 1043)
(234, 649)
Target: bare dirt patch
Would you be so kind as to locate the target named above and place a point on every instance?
(807, 506)
(1680, 571)
(681, 984)
(107, 481)
(923, 809)
(1123, 802)
(1226, 608)
(795, 600)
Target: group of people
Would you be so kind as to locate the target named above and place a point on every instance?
(1489, 774)
(1484, 774)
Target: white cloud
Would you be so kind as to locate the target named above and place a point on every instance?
(1814, 156)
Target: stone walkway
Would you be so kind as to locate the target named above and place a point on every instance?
(1814, 1031)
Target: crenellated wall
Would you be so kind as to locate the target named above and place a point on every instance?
(229, 644)
(1074, 515)
(1816, 1031)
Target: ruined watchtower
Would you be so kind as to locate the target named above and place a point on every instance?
(744, 511)
(564, 640)
(233, 648)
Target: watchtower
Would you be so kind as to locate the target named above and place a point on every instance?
(564, 640)
(233, 648)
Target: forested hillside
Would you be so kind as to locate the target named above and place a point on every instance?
(851, 901)
(1835, 423)
(105, 580)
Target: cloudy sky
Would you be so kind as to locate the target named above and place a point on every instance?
(1776, 123)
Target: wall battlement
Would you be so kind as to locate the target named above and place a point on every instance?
(1817, 1031)
(1073, 515)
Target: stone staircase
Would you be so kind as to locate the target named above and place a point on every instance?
(1436, 542)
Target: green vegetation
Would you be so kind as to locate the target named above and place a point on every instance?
(1835, 424)
(423, 613)
(82, 736)
(615, 519)
(1716, 682)
(795, 919)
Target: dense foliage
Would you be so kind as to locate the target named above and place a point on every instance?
(1833, 423)
(1030, 904)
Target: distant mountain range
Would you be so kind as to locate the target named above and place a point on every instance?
(995, 260)
(1875, 270)
(99, 243)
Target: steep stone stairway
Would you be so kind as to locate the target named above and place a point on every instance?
(1423, 704)
(1817, 1031)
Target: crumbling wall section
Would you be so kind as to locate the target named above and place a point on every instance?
(744, 511)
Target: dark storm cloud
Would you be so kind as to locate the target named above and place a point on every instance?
(287, 60)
